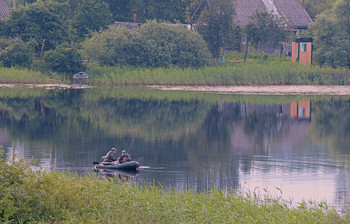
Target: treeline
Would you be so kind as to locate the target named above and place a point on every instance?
(331, 33)
(58, 35)
(47, 35)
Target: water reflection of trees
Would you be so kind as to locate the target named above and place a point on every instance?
(230, 137)
(148, 119)
(216, 140)
(69, 110)
(71, 123)
(331, 126)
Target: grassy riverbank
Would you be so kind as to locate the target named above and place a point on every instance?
(258, 70)
(26, 76)
(46, 197)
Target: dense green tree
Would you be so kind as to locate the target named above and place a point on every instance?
(315, 8)
(20, 2)
(64, 59)
(151, 45)
(265, 29)
(40, 21)
(121, 10)
(331, 33)
(17, 53)
(216, 23)
(89, 16)
(170, 10)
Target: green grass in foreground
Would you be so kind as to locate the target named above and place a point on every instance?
(45, 197)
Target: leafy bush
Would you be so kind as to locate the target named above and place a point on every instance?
(151, 45)
(17, 53)
(64, 59)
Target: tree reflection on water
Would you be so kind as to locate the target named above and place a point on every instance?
(186, 143)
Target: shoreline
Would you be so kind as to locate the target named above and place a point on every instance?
(239, 90)
(264, 90)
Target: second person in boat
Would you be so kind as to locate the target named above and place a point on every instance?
(125, 157)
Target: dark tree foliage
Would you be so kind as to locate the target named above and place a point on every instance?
(216, 23)
(17, 53)
(170, 10)
(40, 21)
(64, 59)
(265, 29)
(331, 33)
(121, 10)
(315, 8)
(89, 16)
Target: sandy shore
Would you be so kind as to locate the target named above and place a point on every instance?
(256, 90)
(46, 86)
(264, 90)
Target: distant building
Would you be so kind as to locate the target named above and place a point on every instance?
(4, 9)
(128, 25)
(291, 10)
(302, 50)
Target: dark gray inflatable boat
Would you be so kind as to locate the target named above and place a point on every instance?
(132, 165)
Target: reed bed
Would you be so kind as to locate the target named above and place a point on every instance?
(258, 70)
(29, 196)
(253, 72)
(27, 76)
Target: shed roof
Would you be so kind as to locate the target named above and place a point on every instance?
(4, 9)
(291, 10)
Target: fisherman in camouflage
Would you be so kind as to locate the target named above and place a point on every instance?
(110, 156)
(125, 157)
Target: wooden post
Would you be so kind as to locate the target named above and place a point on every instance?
(246, 51)
(42, 48)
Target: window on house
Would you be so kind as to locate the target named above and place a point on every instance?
(303, 47)
(302, 112)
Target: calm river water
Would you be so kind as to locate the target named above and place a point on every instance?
(294, 147)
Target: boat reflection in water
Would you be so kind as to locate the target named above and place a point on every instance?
(123, 175)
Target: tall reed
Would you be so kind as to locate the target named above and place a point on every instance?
(253, 72)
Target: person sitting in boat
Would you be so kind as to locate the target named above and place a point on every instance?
(110, 156)
(125, 157)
